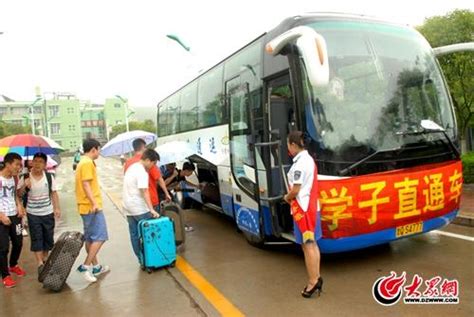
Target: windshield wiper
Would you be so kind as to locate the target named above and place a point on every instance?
(346, 170)
(432, 127)
(428, 127)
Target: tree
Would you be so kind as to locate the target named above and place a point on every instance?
(7, 129)
(147, 125)
(456, 27)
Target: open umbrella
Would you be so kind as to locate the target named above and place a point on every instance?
(122, 143)
(28, 144)
(175, 151)
(52, 143)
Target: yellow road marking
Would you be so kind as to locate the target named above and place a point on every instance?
(212, 294)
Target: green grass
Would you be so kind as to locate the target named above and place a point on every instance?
(468, 167)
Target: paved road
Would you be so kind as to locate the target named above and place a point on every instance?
(254, 282)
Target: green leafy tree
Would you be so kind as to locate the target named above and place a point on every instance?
(147, 125)
(7, 129)
(456, 27)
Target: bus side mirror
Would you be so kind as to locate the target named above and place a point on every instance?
(314, 51)
(312, 48)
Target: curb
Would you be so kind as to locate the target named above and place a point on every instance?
(464, 221)
(112, 199)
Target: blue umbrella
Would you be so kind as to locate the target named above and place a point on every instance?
(122, 143)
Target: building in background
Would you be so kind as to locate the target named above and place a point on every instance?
(93, 123)
(65, 118)
(114, 113)
(18, 112)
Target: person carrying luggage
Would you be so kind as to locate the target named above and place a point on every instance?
(174, 177)
(137, 203)
(154, 176)
(42, 207)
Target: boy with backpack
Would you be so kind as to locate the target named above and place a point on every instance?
(42, 207)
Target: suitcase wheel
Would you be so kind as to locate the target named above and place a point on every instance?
(173, 264)
(149, 270)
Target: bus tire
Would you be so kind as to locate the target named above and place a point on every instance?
(253, 240)
(189, 203)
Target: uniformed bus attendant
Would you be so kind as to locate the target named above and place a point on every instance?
(303, 200)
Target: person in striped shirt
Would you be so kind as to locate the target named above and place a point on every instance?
(42, 207)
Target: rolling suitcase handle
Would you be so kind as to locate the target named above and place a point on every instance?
(163, 205)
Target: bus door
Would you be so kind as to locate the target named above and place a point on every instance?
(242, 153)
(280, 107)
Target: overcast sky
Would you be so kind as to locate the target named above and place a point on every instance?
(99, 48)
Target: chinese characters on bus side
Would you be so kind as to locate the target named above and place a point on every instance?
(396, 196)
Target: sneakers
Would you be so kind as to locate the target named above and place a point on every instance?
(17, 270)
(96, 271)
(188, 228)
(9, 282)
(87, 273)
(89, 277)
(100, 269)
(81, 268)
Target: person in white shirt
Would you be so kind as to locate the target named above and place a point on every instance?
(136, 197)
(11, 212)
(303, 200)
(42, 207)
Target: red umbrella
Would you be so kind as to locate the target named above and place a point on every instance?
(27, 144)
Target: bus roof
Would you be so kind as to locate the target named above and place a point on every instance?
(289, 23)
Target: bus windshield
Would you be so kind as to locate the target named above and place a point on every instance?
(384, 80)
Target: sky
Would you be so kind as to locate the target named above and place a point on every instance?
(99, 48)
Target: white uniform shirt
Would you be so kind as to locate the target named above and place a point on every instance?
(39, 201)
(302, 173)
(136, 178)
(7, 196)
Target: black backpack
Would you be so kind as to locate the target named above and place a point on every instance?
(49, 179)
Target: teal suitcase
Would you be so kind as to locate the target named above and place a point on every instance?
(157, 243)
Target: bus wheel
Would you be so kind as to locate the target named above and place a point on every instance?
(189, 203)
(253, 240)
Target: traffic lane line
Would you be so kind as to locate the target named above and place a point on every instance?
(212, 294)
(454, 235)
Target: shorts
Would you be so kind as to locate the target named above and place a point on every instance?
(41, 232)
(95, 227)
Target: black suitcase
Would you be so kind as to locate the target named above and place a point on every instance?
(59, 263)
(174, 212)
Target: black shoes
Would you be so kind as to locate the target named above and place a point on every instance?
(318, 288)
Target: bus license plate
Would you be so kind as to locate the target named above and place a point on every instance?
(409, 229)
